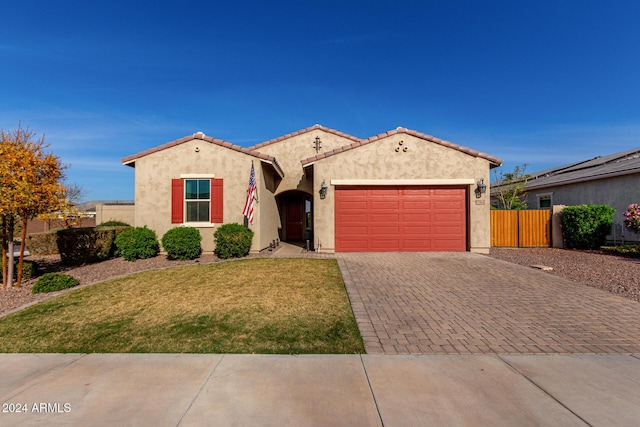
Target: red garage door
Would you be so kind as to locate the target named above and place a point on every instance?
(402, 218)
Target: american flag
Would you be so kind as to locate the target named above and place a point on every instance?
(251, 193)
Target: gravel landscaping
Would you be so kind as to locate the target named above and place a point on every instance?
(617, 275)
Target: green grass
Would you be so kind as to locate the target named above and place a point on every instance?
(283, 306)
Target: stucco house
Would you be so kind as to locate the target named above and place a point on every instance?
(612, 180)
(401, 190)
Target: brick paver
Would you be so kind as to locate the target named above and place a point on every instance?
(465, 303)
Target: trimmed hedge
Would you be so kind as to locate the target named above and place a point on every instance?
(51, 282)
(586, 226)
(113, 223)
(87, 245)
(29, 269)
(43, 243)
(137, 243)
(182, 243)
(232, 240)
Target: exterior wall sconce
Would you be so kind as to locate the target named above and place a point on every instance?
(323, 190)
(481, 188)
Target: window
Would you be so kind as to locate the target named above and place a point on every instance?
(544, 201)
(197, 199)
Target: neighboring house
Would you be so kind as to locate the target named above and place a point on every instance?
(612, 180)
(398, 191)
(115, 210)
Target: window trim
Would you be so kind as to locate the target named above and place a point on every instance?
(196, 200)
(197, 176)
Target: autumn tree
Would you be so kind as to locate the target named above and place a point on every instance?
(30, 184)
(509, 188)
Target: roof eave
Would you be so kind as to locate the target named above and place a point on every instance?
(536, 186)
(494, 162)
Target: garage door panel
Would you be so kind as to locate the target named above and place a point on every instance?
(456, 216)
(356, 205)
(444, 244)
(384, 205)
(352, 218)
(447, 191)
(416, 217)
(446, 231)
(383, 217)
(417, 191)
(383, 192)
(417, 245)
(416, 204)
(401, 219)
(353, 230)
(447, 205)
(353, 245)
(416, 230)
(382, 245)
(355, 192)
(385, 229)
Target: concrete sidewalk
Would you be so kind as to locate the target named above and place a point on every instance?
(318, 390)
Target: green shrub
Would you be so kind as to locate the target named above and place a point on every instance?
(86, 245)
(137, 243)
(586, 226)
(29, 269)
(43, 243)
(51, 282)
(113, 223)
(232, 240)
(182, 243)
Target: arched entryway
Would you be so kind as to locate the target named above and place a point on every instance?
(296, 217)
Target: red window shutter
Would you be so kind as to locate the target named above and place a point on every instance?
(217, 201)
(177, 201)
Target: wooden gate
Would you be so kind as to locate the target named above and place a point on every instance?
(521, 228)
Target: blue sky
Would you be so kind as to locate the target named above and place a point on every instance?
(539, 82)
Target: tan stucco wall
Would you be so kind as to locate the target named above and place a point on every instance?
(379, 160)
(124, 213)
(267, 217)
(153, 188)
(291, 151)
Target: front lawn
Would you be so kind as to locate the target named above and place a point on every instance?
(285, 306)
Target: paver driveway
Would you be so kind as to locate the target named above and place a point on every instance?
(465, 303)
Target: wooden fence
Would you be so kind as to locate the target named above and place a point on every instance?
(521, 228)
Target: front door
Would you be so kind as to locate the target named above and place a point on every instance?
(294, 218)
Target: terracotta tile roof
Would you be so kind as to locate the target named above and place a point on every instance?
(130, 160)
(495, 161)
(303, 131)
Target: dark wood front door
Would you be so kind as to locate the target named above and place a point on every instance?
(295, 219)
